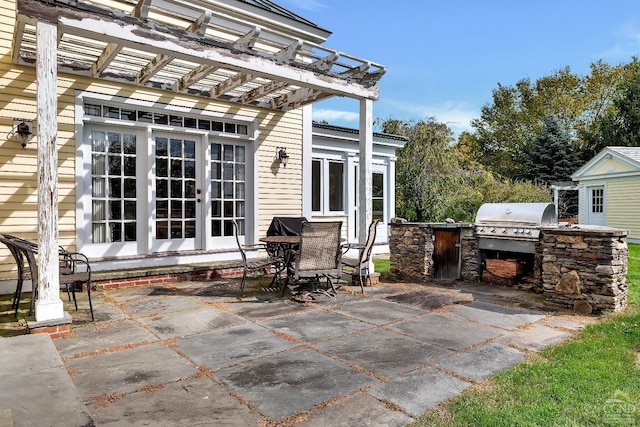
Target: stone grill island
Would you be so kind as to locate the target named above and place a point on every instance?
(578, 267)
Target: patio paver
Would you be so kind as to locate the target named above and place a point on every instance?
(194, 353)
(421, 390)
(226, 347)
(293, 381)
(378, 312)
(482, 362)
(448, 331)
(315, 325)
(189, 322)
(383, 352)
(200, 401)
(127, 370)
(98, 337)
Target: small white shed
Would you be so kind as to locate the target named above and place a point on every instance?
(609, 190)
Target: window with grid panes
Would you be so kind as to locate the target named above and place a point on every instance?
(597, 200)
(228, 177)
(113, 187)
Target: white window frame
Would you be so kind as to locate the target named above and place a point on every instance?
(325, 160)
(144, 132)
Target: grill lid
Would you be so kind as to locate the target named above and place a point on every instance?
(523, 214)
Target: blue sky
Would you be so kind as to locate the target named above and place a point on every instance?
(444, 58)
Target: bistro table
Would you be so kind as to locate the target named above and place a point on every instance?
(284, 245)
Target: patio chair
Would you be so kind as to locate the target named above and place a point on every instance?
(74, 270)
(23, 273)
(253, 265)
(320, 254)
(360, 265)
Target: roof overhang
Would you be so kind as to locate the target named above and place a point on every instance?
(193, 48)
(586, 171)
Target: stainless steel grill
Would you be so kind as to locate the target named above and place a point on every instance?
(512, 227)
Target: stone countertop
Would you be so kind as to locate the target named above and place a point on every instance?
(586, 229)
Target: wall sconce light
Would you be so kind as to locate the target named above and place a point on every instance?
(22, 131)
(282, 156)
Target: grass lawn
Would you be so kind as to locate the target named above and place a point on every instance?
(591, 380)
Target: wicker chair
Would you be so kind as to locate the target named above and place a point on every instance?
(361, 263)
(320, 254)
(253, 265)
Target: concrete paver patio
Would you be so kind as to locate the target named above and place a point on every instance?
(193, 353)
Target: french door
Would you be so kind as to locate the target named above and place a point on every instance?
(176, 207)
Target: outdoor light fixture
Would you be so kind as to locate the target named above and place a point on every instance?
(282, 156)
(22, 131)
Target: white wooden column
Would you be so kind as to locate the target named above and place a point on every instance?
(366, 161)
(48, 305)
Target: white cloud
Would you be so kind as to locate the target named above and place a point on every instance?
(627, 46)
(456, 115)
(335, 115)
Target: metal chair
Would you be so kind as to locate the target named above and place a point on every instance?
(361, 263)
(259, 264)
(320, 254)
(23, 272)
(74, 269)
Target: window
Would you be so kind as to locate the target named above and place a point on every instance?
(597, 200)
(144, 116)
(228, 176)
(316, 180)
(378, 196)
(113, 187)
(327, 186)
(336, 186)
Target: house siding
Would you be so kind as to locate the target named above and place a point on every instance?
(279, 188)
(622, 210)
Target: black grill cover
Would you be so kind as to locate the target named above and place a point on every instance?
(285, 226)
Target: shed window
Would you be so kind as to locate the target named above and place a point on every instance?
(597, 200)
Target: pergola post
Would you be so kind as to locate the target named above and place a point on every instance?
(366, 161)
(48, 305)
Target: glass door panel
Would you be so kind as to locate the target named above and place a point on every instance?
(177, 196)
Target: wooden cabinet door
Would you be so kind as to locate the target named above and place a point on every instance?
(446, 254)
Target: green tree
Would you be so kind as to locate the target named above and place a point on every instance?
(513, 120)
(424, 168)
(551, 158)
(620, 124)
(436, 180)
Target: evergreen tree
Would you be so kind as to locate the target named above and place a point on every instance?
(552, 157)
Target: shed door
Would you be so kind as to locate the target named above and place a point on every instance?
(596, 205)
(446, 253)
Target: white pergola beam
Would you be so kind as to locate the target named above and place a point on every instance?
(261, 91)
(198, 27)
(141, 10)
(194, 76)
(296, 99)
(289, 53)
(248, 40)
(137, 34)
(231, 83)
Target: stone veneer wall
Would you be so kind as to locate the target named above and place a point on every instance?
(411, 250)
(470, 267)
(584, 268)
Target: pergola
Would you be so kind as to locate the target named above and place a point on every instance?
(243, 53)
